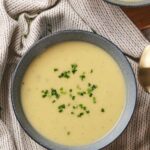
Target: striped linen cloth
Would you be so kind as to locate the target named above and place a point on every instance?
(23, 22)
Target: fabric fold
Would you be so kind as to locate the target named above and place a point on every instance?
(111, 22)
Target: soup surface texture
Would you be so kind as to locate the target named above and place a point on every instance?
(73, 93)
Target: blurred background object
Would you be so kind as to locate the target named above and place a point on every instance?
(141, 18)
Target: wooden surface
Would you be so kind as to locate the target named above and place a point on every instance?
(140, 16)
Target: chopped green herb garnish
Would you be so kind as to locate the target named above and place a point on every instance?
(54, 93)
(82, 76)
(102, 110)
(75, 107)
(84, 108)
(72, 113)
(62, 91)
(87, 111)
(89, 84)
(44, 93)
(81, 105)
(73, 97)
(60, 110)
(81, 93)
(78, 109)
(55, 69)
(90, 95)
(80, 114)
(90, 89)
(62, 106)
(94, 87)
(74, 68)
(94, 100)
(53, 101)
(65, 74)
(91, 71)
(68, 133)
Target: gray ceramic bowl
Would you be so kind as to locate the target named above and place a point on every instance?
(133, 3)
(111, 49)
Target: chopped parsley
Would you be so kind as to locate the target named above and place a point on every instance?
(82, 76)
(81, 106)
(102, 110)
(94, 100)
(70, 90)
(74, 68)
(74, 107)
(87, 111)
(81, 93)
(62, 91)
(91, 71)
(53, 101)
(72, 113)
(44, 93)
(55, 69)
(90, 89)
(54, 93)
(80, 114)
(89, 84)
(68, 133)
(84, 108)
(78, 92)
(72, 97)
(65, 74)
(61, 108)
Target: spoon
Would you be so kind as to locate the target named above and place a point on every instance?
(144, 69)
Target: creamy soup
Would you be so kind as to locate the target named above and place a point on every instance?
(73, 93)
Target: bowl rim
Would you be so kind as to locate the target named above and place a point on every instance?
(60, 146)
(128, 4)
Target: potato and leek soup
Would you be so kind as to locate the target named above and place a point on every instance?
(73, 93)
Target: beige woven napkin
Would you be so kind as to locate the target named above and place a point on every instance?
(22, 22)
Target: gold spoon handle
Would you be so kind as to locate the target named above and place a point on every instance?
(145, 58)
(144, 69)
